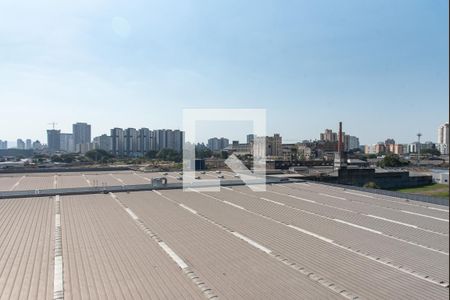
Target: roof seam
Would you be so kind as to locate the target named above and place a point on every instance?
(190, 274)
(310, 275)
(389, 264)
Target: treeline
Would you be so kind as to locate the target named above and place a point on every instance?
(392, 161)
(104, 157)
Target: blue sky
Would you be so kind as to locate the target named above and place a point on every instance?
(379, 66)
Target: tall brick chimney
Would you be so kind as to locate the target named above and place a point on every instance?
(340, 139)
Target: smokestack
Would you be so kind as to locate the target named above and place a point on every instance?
(340, 139)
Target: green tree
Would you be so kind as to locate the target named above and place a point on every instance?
(392, 161)
(68, 158)
(169, 155)
(202, 152)
(99, 155)
(151, 154)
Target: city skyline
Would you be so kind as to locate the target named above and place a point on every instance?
(69, 144)
(309, 64)
(240, 136)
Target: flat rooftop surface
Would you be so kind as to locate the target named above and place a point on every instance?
(41, 181)
(293, 241)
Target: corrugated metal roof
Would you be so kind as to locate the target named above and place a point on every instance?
(294, 241)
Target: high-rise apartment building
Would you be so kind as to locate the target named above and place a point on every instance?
(3, 145)
(131, 142)
(144, 140)
(53, 140)
(353, 143)
(81, 133)
(168, 139)
(67, 142)
(117, 138)
(218, 144)
(178, 137)
(160, 139)
(103, 142)
(28, 144)
(20, 144)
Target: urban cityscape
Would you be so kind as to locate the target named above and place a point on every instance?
(224, 150)
(131, 142)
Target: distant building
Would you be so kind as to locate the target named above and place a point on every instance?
(144, 140)
(389, 142)
(398, 149)
(326, 148)
(20, 144)
(81, 133)
(370, 149)
(304, 152)
(378, 148)
(443, 148)
(443, 138)
(66, 142)
(83, 148)
(413, 147)
(117, 138)
(37, 145)
(103, 142)
(428, 145)
(238, 148)
(28, 144)
(351, 142)
(250, 138)
(329, 136)
(218, 144)
(3, 145)
(168, 139)
(54, 140)
(269, 146)
(131, 142)
(160, 139)
(179, 140)
(175, 140)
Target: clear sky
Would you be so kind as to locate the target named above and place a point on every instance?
(380, 66)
